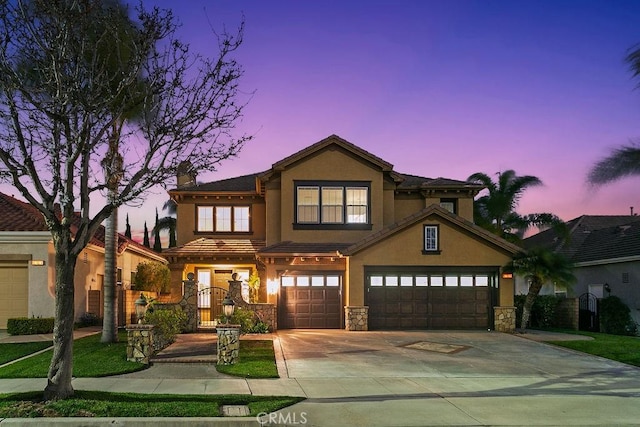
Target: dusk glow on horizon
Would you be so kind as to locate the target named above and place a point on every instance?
(436, 88)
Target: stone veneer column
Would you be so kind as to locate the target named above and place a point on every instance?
(228, 344)
(139, 343)
(356, 318)
(504, 319)
(189, 303)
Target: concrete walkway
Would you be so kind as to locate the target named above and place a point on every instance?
(415, 378)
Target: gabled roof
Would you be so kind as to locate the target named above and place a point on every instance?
(16, 215)
(216, 247)
(433, 210)
(406, 182)
(594, 238)
(334, 140)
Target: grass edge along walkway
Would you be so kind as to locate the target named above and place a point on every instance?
(86, 403)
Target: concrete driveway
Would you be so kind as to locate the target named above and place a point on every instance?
(423, 378)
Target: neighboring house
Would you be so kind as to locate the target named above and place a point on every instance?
(605, 251)
(341, 240)
(27, 267)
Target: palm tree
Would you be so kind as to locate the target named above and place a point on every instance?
(622, 161)
(539, 266)
(495, 211)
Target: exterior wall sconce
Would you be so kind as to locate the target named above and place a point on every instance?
(272, 286)
(608, 289)
(507, 275)
(37, 262)
(141, 307)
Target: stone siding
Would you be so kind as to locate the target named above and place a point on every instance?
(228, 344)
(140, 343)
(504, 319)
(356, 318)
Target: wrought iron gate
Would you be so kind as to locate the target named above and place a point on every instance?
(588, 319)
(210, 306)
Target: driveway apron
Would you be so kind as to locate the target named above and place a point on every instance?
(453, 378)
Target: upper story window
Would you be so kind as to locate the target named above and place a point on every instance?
(431, 239)
(450, 204)
(332, 205)
(223, 219)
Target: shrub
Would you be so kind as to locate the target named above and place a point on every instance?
(248, 321)
(543, 312)
(89, 319)
(153, 277)
(30, 326)
(615, 317)
(169, 321)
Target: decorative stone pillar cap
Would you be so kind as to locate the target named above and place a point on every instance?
(139, 327)
(227, 326)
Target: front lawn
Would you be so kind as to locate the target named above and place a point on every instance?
(620, 348)
(104, 404)
(91, 358)
(13, 351)
(256, 360)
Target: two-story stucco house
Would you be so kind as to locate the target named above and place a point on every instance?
(342, 240)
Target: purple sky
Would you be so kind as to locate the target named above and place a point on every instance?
(437, 88)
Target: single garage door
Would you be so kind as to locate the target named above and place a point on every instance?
(426, 300)
(14, 291)
(310, 301)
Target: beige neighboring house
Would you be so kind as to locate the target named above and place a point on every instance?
(27, 268)
(342, 240)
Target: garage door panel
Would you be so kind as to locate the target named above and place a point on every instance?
(310, 307)
(14, 293)
(428, 307)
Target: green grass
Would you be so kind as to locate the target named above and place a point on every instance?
(256, 360)
(620, 348)
(104, 404)
(13, 351)
(91, 358)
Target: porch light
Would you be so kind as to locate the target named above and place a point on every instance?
(272, 286)
(141, 307)
(507, 275)
(228, 307)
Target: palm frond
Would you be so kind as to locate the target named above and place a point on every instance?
(622, 162)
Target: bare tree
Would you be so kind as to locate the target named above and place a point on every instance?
(60, 101)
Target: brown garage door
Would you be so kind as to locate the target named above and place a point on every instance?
(310, 301)
(14, 292)
(430, 301)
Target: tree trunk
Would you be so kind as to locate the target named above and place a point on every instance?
(110, 320)
(61, 367)
(534, 290)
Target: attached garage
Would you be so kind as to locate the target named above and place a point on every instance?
(310, 300)
(431, 298)
(14, 291)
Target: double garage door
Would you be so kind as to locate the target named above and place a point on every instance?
(14, 291)
(310, 300)
(430, 299)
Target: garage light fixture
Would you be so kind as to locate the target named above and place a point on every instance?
(37, 262)
(507, 275)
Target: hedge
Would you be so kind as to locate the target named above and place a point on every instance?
(30, 326)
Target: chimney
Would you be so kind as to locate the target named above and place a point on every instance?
(631, 208)
(186, 176)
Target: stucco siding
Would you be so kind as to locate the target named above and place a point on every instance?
(330, 165)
